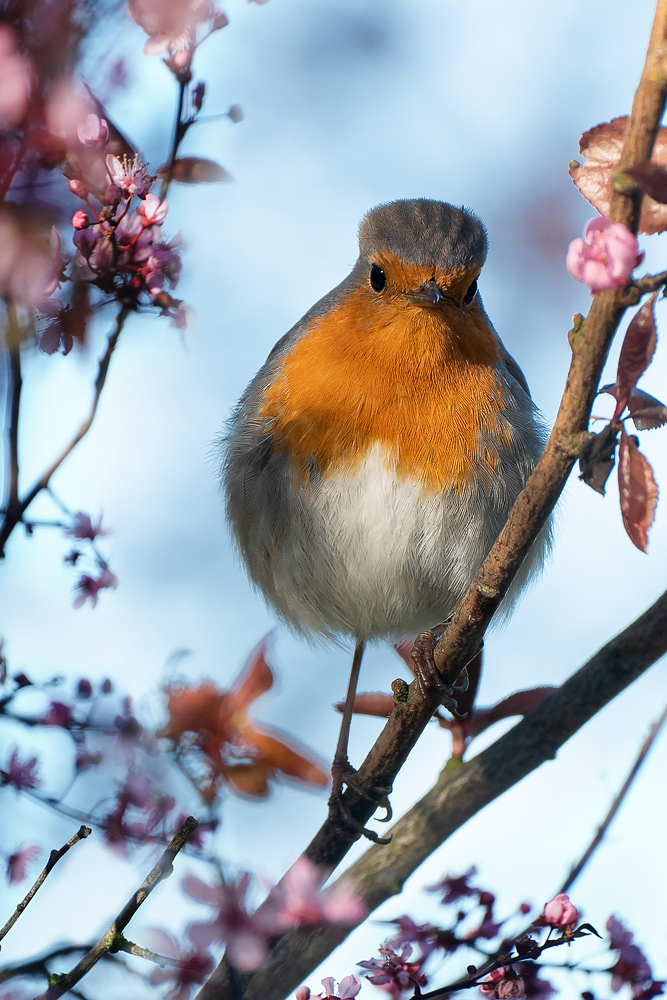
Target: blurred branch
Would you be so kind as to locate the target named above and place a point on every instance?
(107, 943)
(459, 794)
(54, 858)
(14, 513)
(180, 128)
(14, 403)
(617, 803)
(40, 966)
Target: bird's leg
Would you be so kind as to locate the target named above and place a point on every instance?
(428, 677)
(341, 767)
(342, 772)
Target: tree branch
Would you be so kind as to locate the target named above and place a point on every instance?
(54, 858)
(457, 796)
(107, 943)
(14, 513)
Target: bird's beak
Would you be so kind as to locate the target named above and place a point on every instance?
(430, 294)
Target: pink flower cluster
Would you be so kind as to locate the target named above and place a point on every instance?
(606, 257)
(120, 248)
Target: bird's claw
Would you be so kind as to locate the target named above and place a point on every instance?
(428, 677)
(342, 773)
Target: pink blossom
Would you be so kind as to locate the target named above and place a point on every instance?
(194, 966)
(83, 527)
(394, 971)
(30, 264)
(15, 72)
(559, 912)
(171, 25)
(88, 587)
(153, 210)
(19, 861)
(502, 983)
(606, 257)
(130, 176)
(348, 987)
(303, 903)
(80, 219)
(93, 131)
(20, 775)
(246, 935)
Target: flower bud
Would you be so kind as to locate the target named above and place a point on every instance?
(78, 188)
(559, 912)
(80, 220)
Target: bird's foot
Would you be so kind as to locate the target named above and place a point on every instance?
(342, 773)
(428, 677)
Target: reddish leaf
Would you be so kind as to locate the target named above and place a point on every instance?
(597, 457)
(601, 147)
(291, 760)
(652, 179)
(638, 491)
(519, 703)
(636, 353)
(254, 681)
(647, 411)
(196, 170)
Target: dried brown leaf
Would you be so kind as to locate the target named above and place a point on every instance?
(601, 146)
(638, 491)
(597, 458)
(647, 411)
(652, 179)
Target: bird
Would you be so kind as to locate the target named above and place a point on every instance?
(374, 458)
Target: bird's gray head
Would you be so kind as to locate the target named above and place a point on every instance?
(426, 233)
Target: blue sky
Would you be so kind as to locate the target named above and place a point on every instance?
(348, 104)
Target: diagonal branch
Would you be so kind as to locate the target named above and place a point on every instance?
(54, 858)
(163, 869)
(616, 804)
(14, 513)
(457, 796)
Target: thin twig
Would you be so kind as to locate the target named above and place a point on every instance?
(122, 944)
(180, 128)
(54, 858)
(616, 804)
(163, 869)
(14, 404)
(15, 514)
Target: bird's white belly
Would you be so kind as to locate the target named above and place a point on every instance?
(386, 556)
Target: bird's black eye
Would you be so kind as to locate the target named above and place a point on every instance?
(378, 278)
(471, 293)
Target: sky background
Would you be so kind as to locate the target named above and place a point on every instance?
(347, 104)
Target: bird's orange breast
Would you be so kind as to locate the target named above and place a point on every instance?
(418, 381)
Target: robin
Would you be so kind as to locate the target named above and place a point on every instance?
(374, 458)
